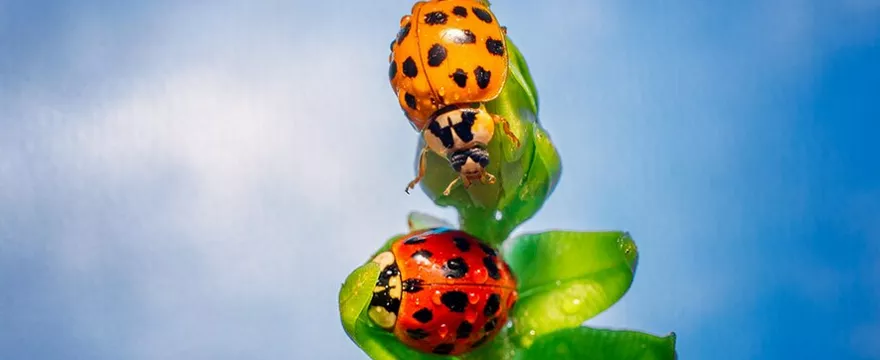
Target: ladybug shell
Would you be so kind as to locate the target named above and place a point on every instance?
(447, 52)
(457, 291)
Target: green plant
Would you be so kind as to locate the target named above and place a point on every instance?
(565, 277)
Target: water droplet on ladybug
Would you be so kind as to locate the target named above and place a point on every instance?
(480, 276)
(470, 316)
(436, 297)
(456, 97)
(443, 331)
(473, 298)
(441, 92)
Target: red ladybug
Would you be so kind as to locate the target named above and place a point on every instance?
(442, 291)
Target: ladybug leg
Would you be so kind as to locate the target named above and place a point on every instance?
(423, 164)
(451, 185)
(488, 178)
(506, 126)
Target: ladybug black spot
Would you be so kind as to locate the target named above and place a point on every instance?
(425, 254)
(462, 243)
(455, 268)
(417, 334)
(384, 299)
(482, 15)
(464, 330)
(462, 37)
(490, 325)
(491, 267)
(480, 342)
(387, 273)
(436, 55)
(482, 75)
(464, 128)
(460, 11)
(455, 301)
(424, 315)
(443, 349)
(404, 31)
(411, 102)
(460, 77)
(488, 250)
(392, 70)
(495, 47)
(492, 305)
(468, 117)
(412, 285)
(435, 18)
(442, 133)
(409, 67)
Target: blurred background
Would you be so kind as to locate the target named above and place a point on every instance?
(194, 180)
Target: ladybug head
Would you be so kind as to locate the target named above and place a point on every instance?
(471, 163)
(386, 295)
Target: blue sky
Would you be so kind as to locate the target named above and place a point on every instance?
(174, 177)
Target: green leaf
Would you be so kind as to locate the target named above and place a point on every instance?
(590, 343)
(526, 175)
(522, 75)
(566, 278)
(421, 221)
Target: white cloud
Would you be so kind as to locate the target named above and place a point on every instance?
(230, 193)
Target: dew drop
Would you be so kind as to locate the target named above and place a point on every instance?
(570, 306)
(480, 276)
(532, 332)
(473, 298)
(498, 215)
(443, 331)
(436, 297)
(470, 316)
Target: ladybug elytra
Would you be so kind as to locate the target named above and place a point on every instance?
(442, 291)
(449, 58)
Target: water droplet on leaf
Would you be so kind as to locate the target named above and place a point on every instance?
(570, 306)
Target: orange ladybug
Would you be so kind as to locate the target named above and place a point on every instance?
(448, 59)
